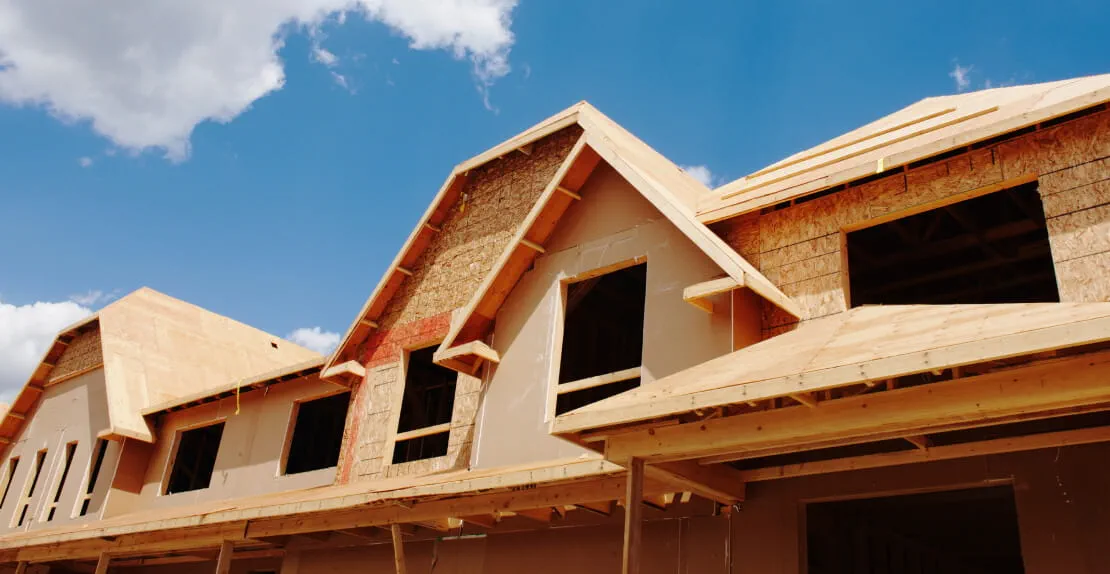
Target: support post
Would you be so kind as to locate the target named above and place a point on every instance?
(223, 561)
(21, 568)
(398, 548)
(102, 563)
(633, 515)
(291, 562)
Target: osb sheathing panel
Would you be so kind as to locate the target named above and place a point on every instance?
(82, 354)
(799, 247)
(494, 201)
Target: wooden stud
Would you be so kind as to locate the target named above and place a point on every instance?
(633, 516)
(598, 381)
(568, 192)
(21, 568)
(290, 562)
(223, 560)
(102, 563)
(398, 549)
(806, 399)
(19, 416)
(532, 245)
(404, 271)
(369, 323)
(920, 441)
(433, 228)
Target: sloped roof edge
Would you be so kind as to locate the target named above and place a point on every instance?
(419, 238)
(942, 124)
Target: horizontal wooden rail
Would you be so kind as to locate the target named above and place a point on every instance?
(426, 431)
(598, 381)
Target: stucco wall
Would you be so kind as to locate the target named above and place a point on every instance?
(74, 410)
(250, 452)
(612, 223)
(799, 248)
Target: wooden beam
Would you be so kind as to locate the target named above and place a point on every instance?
(404, 271)
(291, 562)
(223, 561)
(102, 563)
(720, 483)
(964, 403)
(537, 514)
(532, 245)
(21, 568)
(483, 520)
(398, 549)
(368, 323)
(806, 399)
(633, 516)
(602, 508)
(568, 192)
(698, 294)
(433, 228)
(426, 431)
(964, 450)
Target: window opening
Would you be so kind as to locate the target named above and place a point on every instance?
(603, 337)
(195, 458)
(94, 472)
(959, 531)
(317, 434)
(989, 249)
(426, 408)
(33, 481)
(71, 449)
(13, 463)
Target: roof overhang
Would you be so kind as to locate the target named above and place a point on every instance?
(926, 129)
(290, 373)
(867, 375)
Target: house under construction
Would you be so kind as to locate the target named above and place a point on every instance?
(889, 353)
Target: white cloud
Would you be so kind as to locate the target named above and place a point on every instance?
(315, 338)
(702, 174)
(85, 161)
(25, 333)
(144, 73)
(962, 76)
(320, 54)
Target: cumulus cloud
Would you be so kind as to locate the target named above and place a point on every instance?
(315, 338)
(25, 333)
(320, 54)
(144, 73)
(702, 174)
(961, 75)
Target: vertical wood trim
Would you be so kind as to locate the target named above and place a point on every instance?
(223, 562)
(398, 548)
(290, 562)
(102, 563)
(21, 568)
(633, 515)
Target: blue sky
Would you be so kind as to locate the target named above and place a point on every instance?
(284, 213)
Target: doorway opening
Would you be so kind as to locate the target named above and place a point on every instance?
(972, 531)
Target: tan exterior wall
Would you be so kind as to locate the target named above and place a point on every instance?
(799, 248)
(73, 410)
(250, 453)
(494, 200)
(612, 224)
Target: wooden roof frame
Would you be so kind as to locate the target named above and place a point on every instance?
(281, 375)
(944, 124)
(602, 140)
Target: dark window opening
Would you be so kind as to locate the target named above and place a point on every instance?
(603, 333)
(429, 400)
(317, 434)
(94, 473)
(989, 249)
(430, 446)
(40, 458)
(195, 459)
(71, 449)
(957, 532)
(12, 465)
